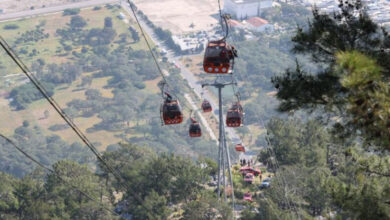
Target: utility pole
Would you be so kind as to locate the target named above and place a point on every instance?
(223, 151)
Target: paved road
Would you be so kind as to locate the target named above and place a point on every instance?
(52, 9)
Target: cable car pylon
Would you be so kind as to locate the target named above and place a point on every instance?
(223, 151)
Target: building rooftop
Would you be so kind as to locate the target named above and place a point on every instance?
(244, 1)
(257, 22)
(234, 23)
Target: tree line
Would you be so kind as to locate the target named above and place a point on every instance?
(333, 162)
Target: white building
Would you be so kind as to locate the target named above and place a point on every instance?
(188, 44)
(243, 9)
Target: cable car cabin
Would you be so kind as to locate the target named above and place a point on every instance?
(235, 115)
(195, 130)
(219, 57)
(206, 106)
(240, 148)
(171, 112)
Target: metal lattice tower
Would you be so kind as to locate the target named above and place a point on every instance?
(223, 151)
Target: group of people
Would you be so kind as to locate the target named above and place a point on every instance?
(248, 162)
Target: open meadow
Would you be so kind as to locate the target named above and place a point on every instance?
(51, 51)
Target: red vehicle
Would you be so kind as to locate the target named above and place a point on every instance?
(249, 178)
(235, 115)
(171, 111)
(195, 130)
(240, 148)
(248, 197)
(245, 170)
(206, 106)
(219, 57)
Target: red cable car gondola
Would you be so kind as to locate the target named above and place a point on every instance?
(171, 111)
(240, 148)
(195, 130)
(219, 57)
(206, 106)
(235, 115)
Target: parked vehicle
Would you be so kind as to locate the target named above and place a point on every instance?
(248, 197)
(265, 184)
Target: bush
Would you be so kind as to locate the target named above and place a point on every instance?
(88, 114)
(68, 48)
(25, 94)
(10, 27)
(58, 127)
(84, 50)
(96, 8)
(23, 51)
(72, 11)
(139, 85)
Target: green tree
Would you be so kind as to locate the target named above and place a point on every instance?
(107, 22)
(297, 143)
(77, 22)
(155, 208)
(205, 208)
(368, 102)
(350, 88)
(9, 202)
(351, 29)
(74, 204)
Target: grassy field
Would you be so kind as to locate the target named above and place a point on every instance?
(63, 94)
(47, 47)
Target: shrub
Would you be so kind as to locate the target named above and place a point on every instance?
(58, 127)
(139, 85)
(10, 27)
(72, 11)
(68, 47)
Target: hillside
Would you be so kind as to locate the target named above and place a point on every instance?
(59, 53)
(304, 111)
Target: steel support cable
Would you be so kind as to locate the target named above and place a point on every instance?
(225, 20)
(270, 148)
(147, 42)
(271, 151)
(56, 174)
(165, 83)
(66, 118)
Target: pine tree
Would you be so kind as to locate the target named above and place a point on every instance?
(328, 39)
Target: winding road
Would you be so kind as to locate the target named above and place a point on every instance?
(52, 9)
